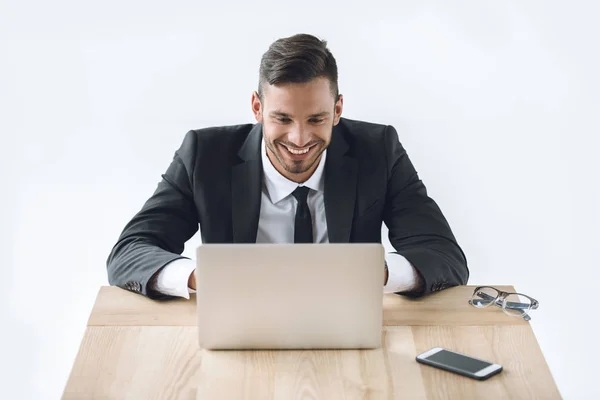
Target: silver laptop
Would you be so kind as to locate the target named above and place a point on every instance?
(290, 296)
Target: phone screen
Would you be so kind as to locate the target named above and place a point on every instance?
(459, 361)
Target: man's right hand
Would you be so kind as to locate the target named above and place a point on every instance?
(192, 280)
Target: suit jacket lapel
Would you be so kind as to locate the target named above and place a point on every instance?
(340, 188)
(246, 184)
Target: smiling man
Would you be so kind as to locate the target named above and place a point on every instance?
(301, 174)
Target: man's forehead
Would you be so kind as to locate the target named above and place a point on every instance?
(312, 98)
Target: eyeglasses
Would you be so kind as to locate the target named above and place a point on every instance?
(513, 304)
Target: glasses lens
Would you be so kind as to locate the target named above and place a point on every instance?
(483, 297)
(516, 305)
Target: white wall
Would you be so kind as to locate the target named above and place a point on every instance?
(496, 102)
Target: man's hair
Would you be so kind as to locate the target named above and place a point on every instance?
(298, 59)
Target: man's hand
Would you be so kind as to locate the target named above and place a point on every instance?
(192, 280)
(386, 275)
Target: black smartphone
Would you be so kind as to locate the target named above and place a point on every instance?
(459, 363)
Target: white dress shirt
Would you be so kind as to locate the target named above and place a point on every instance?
(276, 225)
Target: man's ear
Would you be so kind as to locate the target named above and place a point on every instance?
(256, 107)
(337, 110)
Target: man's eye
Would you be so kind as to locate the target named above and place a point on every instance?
(316, 121)
(283, 120)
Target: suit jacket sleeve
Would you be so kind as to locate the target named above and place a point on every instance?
(417, 228)
(157, 233)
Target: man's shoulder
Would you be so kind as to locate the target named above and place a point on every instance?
(215, 143)
(223, 133)
(362, 127)
(362, 131)
(363, 134)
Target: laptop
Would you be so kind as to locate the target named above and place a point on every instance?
(290, 296)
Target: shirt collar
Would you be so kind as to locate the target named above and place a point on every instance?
(279, 187)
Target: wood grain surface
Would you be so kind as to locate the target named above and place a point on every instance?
(164, 362)
(136, 348)
(136, 363)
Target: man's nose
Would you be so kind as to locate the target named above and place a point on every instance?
(300, 136)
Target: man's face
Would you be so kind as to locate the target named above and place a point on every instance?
(297, 119)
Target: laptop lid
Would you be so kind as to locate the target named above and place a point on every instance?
(290, 296)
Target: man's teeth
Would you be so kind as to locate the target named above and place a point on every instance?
(298, 152)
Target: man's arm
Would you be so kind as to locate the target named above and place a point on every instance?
(417, 228)
(157, 233)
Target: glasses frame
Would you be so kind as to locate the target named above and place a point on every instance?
(500, 301)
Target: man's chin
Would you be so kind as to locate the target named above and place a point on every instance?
(297, 168)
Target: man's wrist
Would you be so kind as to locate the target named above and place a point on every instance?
(386, 275)
(192, 280)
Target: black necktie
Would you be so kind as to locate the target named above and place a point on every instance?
(303, 224)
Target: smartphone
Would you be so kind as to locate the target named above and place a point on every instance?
(459, 363)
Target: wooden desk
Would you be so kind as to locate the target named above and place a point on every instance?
(136, 348)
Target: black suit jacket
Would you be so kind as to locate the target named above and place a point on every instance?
(215, 180)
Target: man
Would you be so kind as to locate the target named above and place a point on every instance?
(301, 174)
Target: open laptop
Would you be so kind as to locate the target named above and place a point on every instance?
(290, 296)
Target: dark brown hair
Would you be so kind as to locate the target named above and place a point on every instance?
(298, 59)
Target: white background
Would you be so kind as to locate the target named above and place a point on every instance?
(497, 103)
